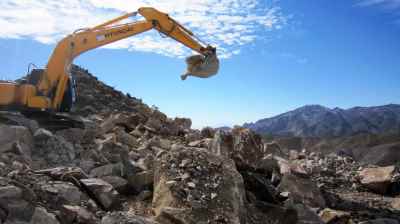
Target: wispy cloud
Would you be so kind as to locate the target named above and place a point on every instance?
(388, 6)
(228, 24)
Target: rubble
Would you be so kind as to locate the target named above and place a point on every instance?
(130, 163)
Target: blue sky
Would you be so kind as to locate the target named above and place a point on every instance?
(277, 55)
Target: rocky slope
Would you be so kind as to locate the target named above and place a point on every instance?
(132, 164)
(319, 121)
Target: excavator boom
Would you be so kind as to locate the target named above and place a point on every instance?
(52, 89)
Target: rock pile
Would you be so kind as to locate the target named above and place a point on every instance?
(133, 164)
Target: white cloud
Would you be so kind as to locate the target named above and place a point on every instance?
(228, 24)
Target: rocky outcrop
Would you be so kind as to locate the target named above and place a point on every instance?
(193, 185)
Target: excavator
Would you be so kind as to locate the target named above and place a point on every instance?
(53, 89)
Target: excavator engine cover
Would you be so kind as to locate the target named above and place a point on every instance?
(201, 66)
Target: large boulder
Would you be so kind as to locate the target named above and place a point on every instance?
(193, 185)
(77, 215)
(242, 145)
(17, 140)
(42, 216)
(57, 193)
(302, 190)
(377, 179)
(15, 205)
(52, 150)
(102, 192)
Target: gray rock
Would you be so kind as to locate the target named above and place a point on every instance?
(125, 218)
(77, 215)
(14, 204)
(141, 181)
(115, 169)
(58, 193)
(381, 221)
(41, 216)
(210, 175)
(302, 190)
(11, 135)
(103, 192)
(306, 215)
(52, 151)
(242, 145)
(120, 184)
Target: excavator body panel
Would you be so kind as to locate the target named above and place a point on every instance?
(8, 92)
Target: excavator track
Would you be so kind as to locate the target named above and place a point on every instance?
(54, 121)
(47, 120)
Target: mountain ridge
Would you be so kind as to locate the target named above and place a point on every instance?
(321, 121)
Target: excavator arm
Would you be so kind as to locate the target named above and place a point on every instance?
(53, 87)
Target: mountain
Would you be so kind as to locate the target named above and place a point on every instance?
(320, 121)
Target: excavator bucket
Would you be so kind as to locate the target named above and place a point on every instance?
(201, 66)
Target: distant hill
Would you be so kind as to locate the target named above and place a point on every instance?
(320, 121)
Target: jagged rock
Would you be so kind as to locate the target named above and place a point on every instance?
(242, 145)
(276, 214)
(64, 173)
(180, 184)
(14, 204)
(17, 140)
(302, 190)
(377, 179)
(305, 214)
(77, 215)
(119, 184)
(273, 148)
(110, 123)
(260, 186)
(112, 152)
(396, 204)
(222, 144)
(183, 123)
(103, 192)
(41, 216)
(380, 221)
(193, 136)
(51, 150)
(268, 165)
(169, 215)
(141, 181)
(58, 193)
(126, 139)
(114, 169)
(331, 216)
(125, 218)
(207, 132)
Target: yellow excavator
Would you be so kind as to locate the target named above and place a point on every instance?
(53, 89)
